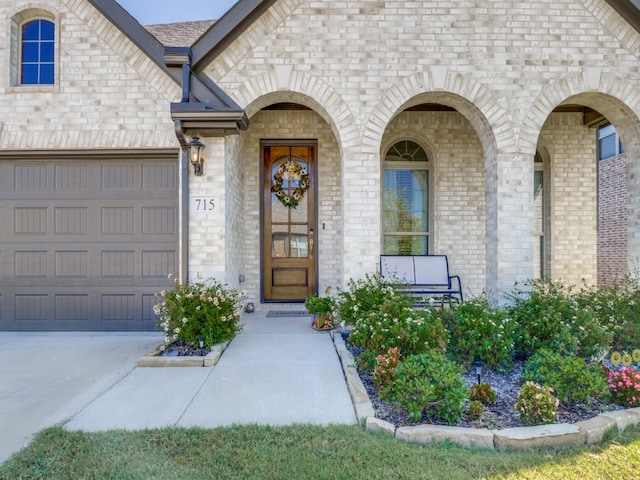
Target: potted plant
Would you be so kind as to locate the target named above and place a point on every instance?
(322, 310)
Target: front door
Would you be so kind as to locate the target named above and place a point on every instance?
(289, 243)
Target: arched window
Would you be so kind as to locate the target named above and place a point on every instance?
(405, 199)
(37, 47)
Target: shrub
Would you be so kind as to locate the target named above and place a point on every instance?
(549, 316)
(367, 295)
(479, 331)
(476, 409)
(625, 386)
(429, 384)
(412, 331)
(483, 393)
(618, 310)
(385, 366)
(571, 378)
(366, 361)
(536, 404)
(206, 309)
(319, 305)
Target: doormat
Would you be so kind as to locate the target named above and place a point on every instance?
(290, 313)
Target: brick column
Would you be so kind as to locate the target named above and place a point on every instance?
(509, 237)
(361, 220)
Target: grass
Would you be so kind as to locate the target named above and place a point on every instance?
(301, 452)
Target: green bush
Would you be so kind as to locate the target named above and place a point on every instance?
(549, 316)
(536, 404)
(428, 384)
(206, 309)
(367, 295)
(366, 361)
(476, 409)
(393, 324)
(572, 379)
(618, 310)
(478, 331)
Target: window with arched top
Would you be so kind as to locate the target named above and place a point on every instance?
(405, 200)
(37, 52)
(34, 39)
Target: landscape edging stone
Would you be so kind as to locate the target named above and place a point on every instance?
(155, 359)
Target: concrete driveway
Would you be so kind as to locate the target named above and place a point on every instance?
(47, 378)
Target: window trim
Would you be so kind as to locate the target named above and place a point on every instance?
(18, 20)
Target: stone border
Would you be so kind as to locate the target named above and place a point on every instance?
(555, 435)
(155, 359)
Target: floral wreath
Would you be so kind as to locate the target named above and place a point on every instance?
(292, 170)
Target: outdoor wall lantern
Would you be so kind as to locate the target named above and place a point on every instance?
(194, 150)
(478, 365)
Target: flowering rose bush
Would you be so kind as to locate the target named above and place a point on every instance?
(367, 295)
(536, 404)
(205, 309)
(394, 324)
(479, 331)
(625, 386)
(550, 315)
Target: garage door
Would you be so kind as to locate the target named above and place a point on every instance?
(86, 242)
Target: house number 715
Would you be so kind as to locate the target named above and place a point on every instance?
(204, 204)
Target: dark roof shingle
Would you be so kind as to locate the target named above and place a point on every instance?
(179, 34)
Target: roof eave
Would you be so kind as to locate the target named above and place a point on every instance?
(226, 30)
(628, 11)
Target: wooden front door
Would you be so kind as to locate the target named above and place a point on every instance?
(289, 222)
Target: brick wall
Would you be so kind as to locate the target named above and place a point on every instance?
(107, 93)
(612, 216)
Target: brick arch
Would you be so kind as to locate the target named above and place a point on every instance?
(22, 13)
(269, 88)
(441, 85)
(618, 100)
(603, 91)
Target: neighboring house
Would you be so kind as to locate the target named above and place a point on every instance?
(612, 208)
(463, 128)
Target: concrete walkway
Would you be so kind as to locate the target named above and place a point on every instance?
(278, 371)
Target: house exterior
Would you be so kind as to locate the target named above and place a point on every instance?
(462, 128)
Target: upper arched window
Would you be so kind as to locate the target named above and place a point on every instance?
(405, 221)
(37, 52)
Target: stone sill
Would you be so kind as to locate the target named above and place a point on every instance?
(155, 359)
(555, 435)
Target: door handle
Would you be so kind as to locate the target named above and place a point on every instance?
(311, 243)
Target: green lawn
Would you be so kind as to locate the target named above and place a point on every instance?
(301, 452)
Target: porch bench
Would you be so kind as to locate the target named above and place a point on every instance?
(422, 276)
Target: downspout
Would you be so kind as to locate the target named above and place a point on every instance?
(184, 204)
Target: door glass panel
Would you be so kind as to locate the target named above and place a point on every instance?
(279, 213)
(299, 244)
(299, 214)
(280, 241)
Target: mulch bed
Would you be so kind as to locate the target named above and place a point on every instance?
(497, 416)
(180, 348)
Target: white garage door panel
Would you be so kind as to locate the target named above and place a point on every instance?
(86, 244)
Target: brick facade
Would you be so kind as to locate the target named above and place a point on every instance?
(612, 215)
(358, 67)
